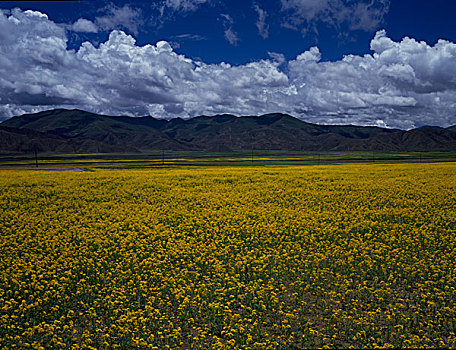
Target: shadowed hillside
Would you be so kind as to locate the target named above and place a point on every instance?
(76, 131)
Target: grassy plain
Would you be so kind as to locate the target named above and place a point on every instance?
(359, 255)
(181, 158)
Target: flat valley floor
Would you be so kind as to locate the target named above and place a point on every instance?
(248, 257)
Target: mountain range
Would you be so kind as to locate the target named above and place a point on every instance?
(77, 131)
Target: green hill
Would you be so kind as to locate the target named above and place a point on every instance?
(67, 131)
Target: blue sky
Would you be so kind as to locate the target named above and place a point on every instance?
(369, 62)
(197, 28)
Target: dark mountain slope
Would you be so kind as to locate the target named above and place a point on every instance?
(270, 131)
(27, 141)
(422, 139)
(79, 131)
(121, 133)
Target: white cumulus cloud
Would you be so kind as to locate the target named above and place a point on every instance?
(111, 17)
(125, 17)
(401, 84)
(83, 25)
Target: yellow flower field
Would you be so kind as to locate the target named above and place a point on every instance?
(358, 255)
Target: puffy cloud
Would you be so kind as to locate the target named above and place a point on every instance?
(116, 17)
(313, 55)
(263, 27)
(113, 17)
(83, 25)
(362, 15)
(407, 83)
(278, 58)
(402, 84)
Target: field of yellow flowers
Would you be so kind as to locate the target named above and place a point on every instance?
(358, 255)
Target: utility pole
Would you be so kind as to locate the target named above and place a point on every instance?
(251, 145)
(36, 156)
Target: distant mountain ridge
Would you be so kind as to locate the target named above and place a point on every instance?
(77, 131)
